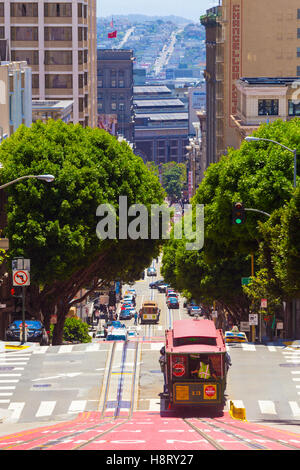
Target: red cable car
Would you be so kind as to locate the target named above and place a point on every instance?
(195, 364)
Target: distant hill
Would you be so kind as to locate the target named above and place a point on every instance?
(141, 18)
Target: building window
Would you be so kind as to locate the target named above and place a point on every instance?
(113, 84)
(31, 57)
(298, 51)
(268, 107)
(58, 57)
(58, 81)
(2, 32)
(298, 71)
(23, 33)
(294, 108)
(113, 106)
(58, 9)
(298, 33)
(1, 9)
(100, 83)
(35, 80)
(24, 9)
(58, 33)
(298, 13)
(121, 83)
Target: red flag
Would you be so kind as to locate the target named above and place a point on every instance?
(112, 35)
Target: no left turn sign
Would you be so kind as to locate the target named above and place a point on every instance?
(21, 278)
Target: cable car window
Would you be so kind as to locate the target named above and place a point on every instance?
(194, 340)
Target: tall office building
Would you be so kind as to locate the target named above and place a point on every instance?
(58, 41)
(245, 38)
(115, 92)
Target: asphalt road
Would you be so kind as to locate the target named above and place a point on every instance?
(44, 385)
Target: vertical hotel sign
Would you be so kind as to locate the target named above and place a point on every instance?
(235, 54)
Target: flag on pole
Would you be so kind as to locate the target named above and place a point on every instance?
(112, 23)
(112, 35)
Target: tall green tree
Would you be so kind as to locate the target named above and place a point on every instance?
(260, 175)
(55, 224)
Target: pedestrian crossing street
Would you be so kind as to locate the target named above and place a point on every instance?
(13, 366)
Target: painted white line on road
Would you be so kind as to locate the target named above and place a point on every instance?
(77, 406)
(6, 394)
(13, 363)
(156, 346)
(9, 381)
(67, 348)
(267, 407)
(41, 350)
(45, 409)
(8, 387)
(4, 401)
(248, 347)
(295, 408)
(16, 408)
(10, 375)
(272, 348)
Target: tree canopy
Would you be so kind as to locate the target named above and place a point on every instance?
(55, 224)
(260, 175)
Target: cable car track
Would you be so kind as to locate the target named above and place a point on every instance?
(234, 431)
(103, 420)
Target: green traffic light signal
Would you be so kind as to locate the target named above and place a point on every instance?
(238, 213)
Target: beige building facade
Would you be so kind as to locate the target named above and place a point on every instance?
(58, 41)
(264, 100)
(255, 38)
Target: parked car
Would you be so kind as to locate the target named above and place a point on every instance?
(155, 284)
(116, 334)
(173, 302)
(151, 272)
(195, 310)
(131, 292)
(162, 288)
(189, 306)
(128, 298)
(35, 332)
(125, 315)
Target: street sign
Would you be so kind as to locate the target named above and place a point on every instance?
(20, 264)
(263, 303)
(253, 319)
(244, 326)
(246, 281)
(21, 278)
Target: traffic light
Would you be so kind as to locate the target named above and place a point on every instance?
(238, 213)
(16, 292)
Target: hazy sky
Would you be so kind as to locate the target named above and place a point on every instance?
(190, 9)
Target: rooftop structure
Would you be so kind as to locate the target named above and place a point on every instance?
(52, 109)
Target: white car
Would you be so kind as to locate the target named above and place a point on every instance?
(131, 292)
(127, 298)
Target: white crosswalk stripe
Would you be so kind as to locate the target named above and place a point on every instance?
(267, 407)
(77, 406)
(46, 408)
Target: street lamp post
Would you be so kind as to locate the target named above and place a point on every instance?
(48, 179)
